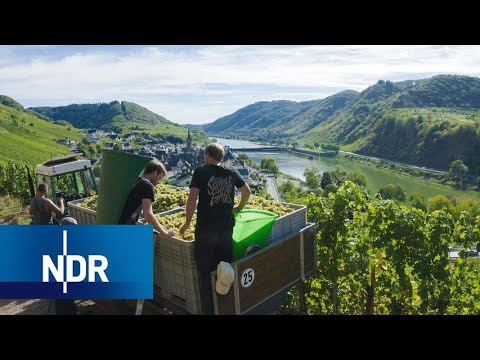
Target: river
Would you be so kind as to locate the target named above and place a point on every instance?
(295, 166)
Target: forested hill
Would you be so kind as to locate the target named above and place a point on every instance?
(26, 137)
(428, 122)
(113, 115)
(124, 117)
(279, 118)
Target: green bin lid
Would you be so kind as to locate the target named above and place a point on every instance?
(252, 229)
(248, 215)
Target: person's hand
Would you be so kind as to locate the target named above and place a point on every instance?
(184, 228)
(170, 232)
(236, 209)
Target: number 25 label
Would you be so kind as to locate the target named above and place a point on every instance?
(248, 276)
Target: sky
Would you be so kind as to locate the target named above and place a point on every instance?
(199, 84)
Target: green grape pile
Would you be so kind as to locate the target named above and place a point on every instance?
(176, 221)
(258, 202)
(89, 203)
(168, 197)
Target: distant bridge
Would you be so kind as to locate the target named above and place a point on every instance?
(271, 148)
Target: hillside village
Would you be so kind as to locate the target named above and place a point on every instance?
(179, 160)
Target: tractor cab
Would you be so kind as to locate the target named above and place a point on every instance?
(68, 176)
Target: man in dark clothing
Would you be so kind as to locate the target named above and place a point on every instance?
(214, 185)
(41, 208)
(141, 197)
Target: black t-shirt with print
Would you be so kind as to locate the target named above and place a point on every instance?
(217, 194)
(143, 189)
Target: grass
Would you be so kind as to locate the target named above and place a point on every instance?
(12, 212)
(376, 178)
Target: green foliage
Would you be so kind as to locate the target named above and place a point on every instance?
(311, 178)
(330, 188)
(439, 202)
(393, 192)
(269, 164)
(13, 181)
(457, 170)
(379, 257)
(243, 157)
(471, 207)
(418, 201)
(292, 194)
(326, 179)
(331, 147)
(357, 178)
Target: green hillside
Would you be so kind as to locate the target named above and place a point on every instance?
(25, 137)
(429, 122)
(103, 115)
(279, 119)
(258, 118)
(123, 118)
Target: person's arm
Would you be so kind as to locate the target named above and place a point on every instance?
(151, 219)
(59, 210)
(246, 192)
(190, 208)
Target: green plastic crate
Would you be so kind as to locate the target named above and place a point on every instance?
(251, 231)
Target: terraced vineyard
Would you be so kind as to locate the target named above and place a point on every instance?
(26, 138)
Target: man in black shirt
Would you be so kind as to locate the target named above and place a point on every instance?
(214, 185)
(141, 197)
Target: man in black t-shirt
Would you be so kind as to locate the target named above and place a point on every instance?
(214, 185)
(141, 197)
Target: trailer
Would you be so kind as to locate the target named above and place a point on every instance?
(261, 279)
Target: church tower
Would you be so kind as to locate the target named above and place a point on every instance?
(189, 141)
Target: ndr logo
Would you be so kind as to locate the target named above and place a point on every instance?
(59, 271)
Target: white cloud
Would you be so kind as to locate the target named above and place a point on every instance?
(196, 84)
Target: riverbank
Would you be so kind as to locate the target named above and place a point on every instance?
(295, 165)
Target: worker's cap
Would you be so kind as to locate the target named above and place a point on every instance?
(225, 275)
(68, 221)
